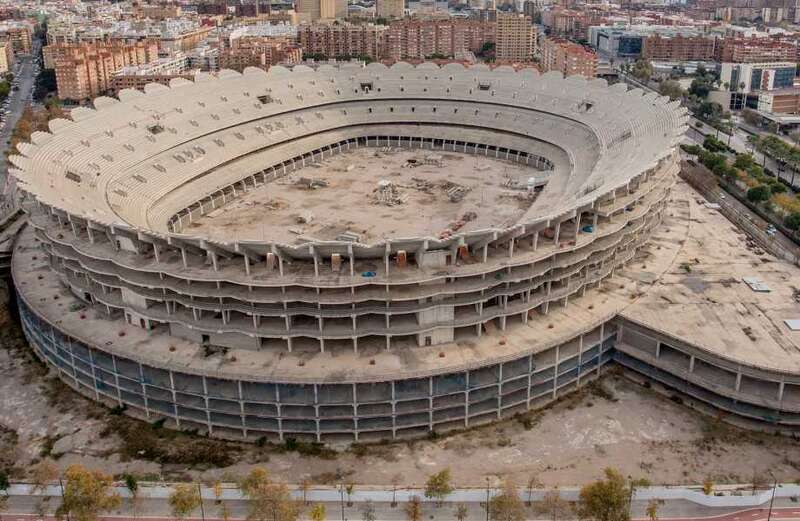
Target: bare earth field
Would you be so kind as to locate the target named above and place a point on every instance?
(342, 194)
(615, 423)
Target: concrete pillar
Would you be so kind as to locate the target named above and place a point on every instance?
(691, 364)
(738, 380)
(557, 233)
(555, 372)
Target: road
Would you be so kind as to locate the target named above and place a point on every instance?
(19, 100)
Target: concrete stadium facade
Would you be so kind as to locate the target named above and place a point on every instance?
(111, 195)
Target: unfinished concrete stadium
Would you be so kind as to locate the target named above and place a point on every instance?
(365, 253)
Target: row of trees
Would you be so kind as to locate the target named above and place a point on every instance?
(744, 173)
(87, 494)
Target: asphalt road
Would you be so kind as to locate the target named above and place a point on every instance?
(19, 100)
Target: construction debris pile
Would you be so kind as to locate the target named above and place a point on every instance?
(457, 225)
(389, 194)
(310, 183)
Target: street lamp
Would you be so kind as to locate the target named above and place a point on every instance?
(772, 500)
(341, 497)
(487, 498)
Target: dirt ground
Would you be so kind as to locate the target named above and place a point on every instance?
(615, 423)
(346, 198)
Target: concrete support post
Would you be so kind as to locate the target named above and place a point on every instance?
(430, 403)
(738, 380)
(557, 233)
(499, 390)
(555, 372)
(691, 364)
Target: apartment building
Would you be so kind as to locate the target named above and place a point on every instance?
(390, 8)
(85, 71)
(755, 49)
(515, 38)
(567, 57)
(423, 38)
(678, 47)
(158, 11)
(262, 56)
(182, 39)
(343, 39)
(19, 34)
(314, 10)
(6, 56)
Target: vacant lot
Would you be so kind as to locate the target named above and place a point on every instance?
(614, 423)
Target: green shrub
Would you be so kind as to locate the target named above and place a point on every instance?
(713, 144)
(759, 193)
(792, 221)
(776, 187)
(691, 149)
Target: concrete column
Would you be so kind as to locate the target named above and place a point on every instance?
(555, 372)
(499, 390)
(535, 240)
(430, 403)
(738, 380)
(557, 233)
(691, 364)
(780, 391)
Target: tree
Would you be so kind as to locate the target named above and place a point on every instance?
(792, 221)
(42, 474)
(132, 485)
(461, 512)
(3, 504)
(553, 506)
(671, 88)
(605, 499)
(438, 486)
(184, 499)
(533, 482)
(87, 493)
(652, 510)
(758, 193)
(413, 509)
(642, 70)
(507, 506)
(708, 486)
(4, 483)
(751, 117)
(268, 501)
(317, 512)
(368, 511)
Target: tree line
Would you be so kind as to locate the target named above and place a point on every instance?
(87, 494)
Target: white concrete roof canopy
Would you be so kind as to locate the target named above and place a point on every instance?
(117, 164)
